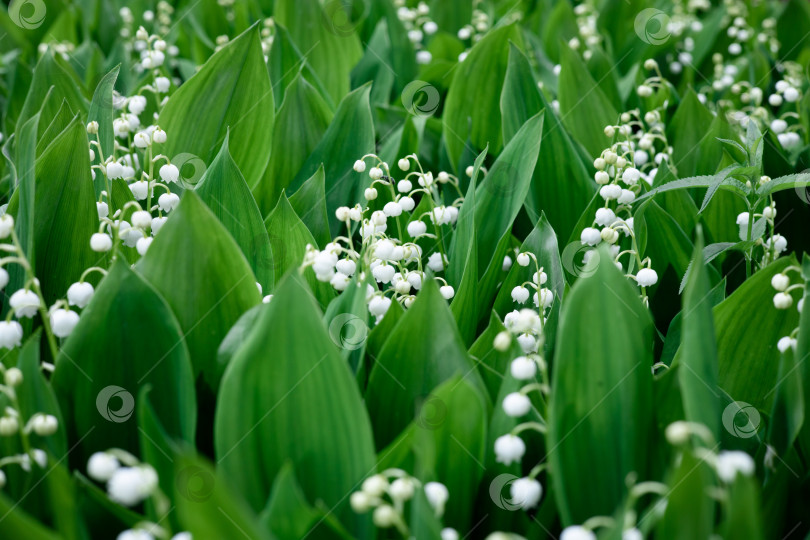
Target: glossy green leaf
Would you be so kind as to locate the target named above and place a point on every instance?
(408, 369)
(98, 374)
(101, 111)
(309, 202)
(52, 72)
(224, 190)
(748, 361)
(584, 108)
(337, 153)
(64, 210)
(688, 495)
(601, 386)
(300, 125)
(231, 92)
(330, 44)
(259, 425)
(209, 506)
(743, 518)
(500, 194)
(698, 355)
(285, 62)
(450, 444)
(209, 296)
(471, 109)
(561, 186)
(288, 239)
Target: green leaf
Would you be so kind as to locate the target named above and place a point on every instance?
(471, 110)
(500, 195)
(791, 181)
(743, 517)
(667, 244)
(18, 524)
(285, 63)
(101, 111)
(601, 386)
(337, 152)
(748, 361)
(288, 240)
(347, 320)
(719, 180)
(309, 202)
(26, 197)
(55, 80)
(331, 49)
(463, 274)
(787, 413)
(584, 108)
(373, 66)
(157, 449)
(65, 212)
(209, 296)
(288, 514)
(300, 125)
(98, 373)
(408, 369)
(209, 507)
(224, 190)
(230, 92)
(688, 495)
(450, 444)
(259, 425)
(561, 201)
(520, 98)
(698, 357)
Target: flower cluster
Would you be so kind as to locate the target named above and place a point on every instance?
(130, 483)
(135, 160)
(419, 25)
(526, 326)
(783, 299)
(387, 492)
(390, 253)
(14, 424)
(640, 146)
(160, 20)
